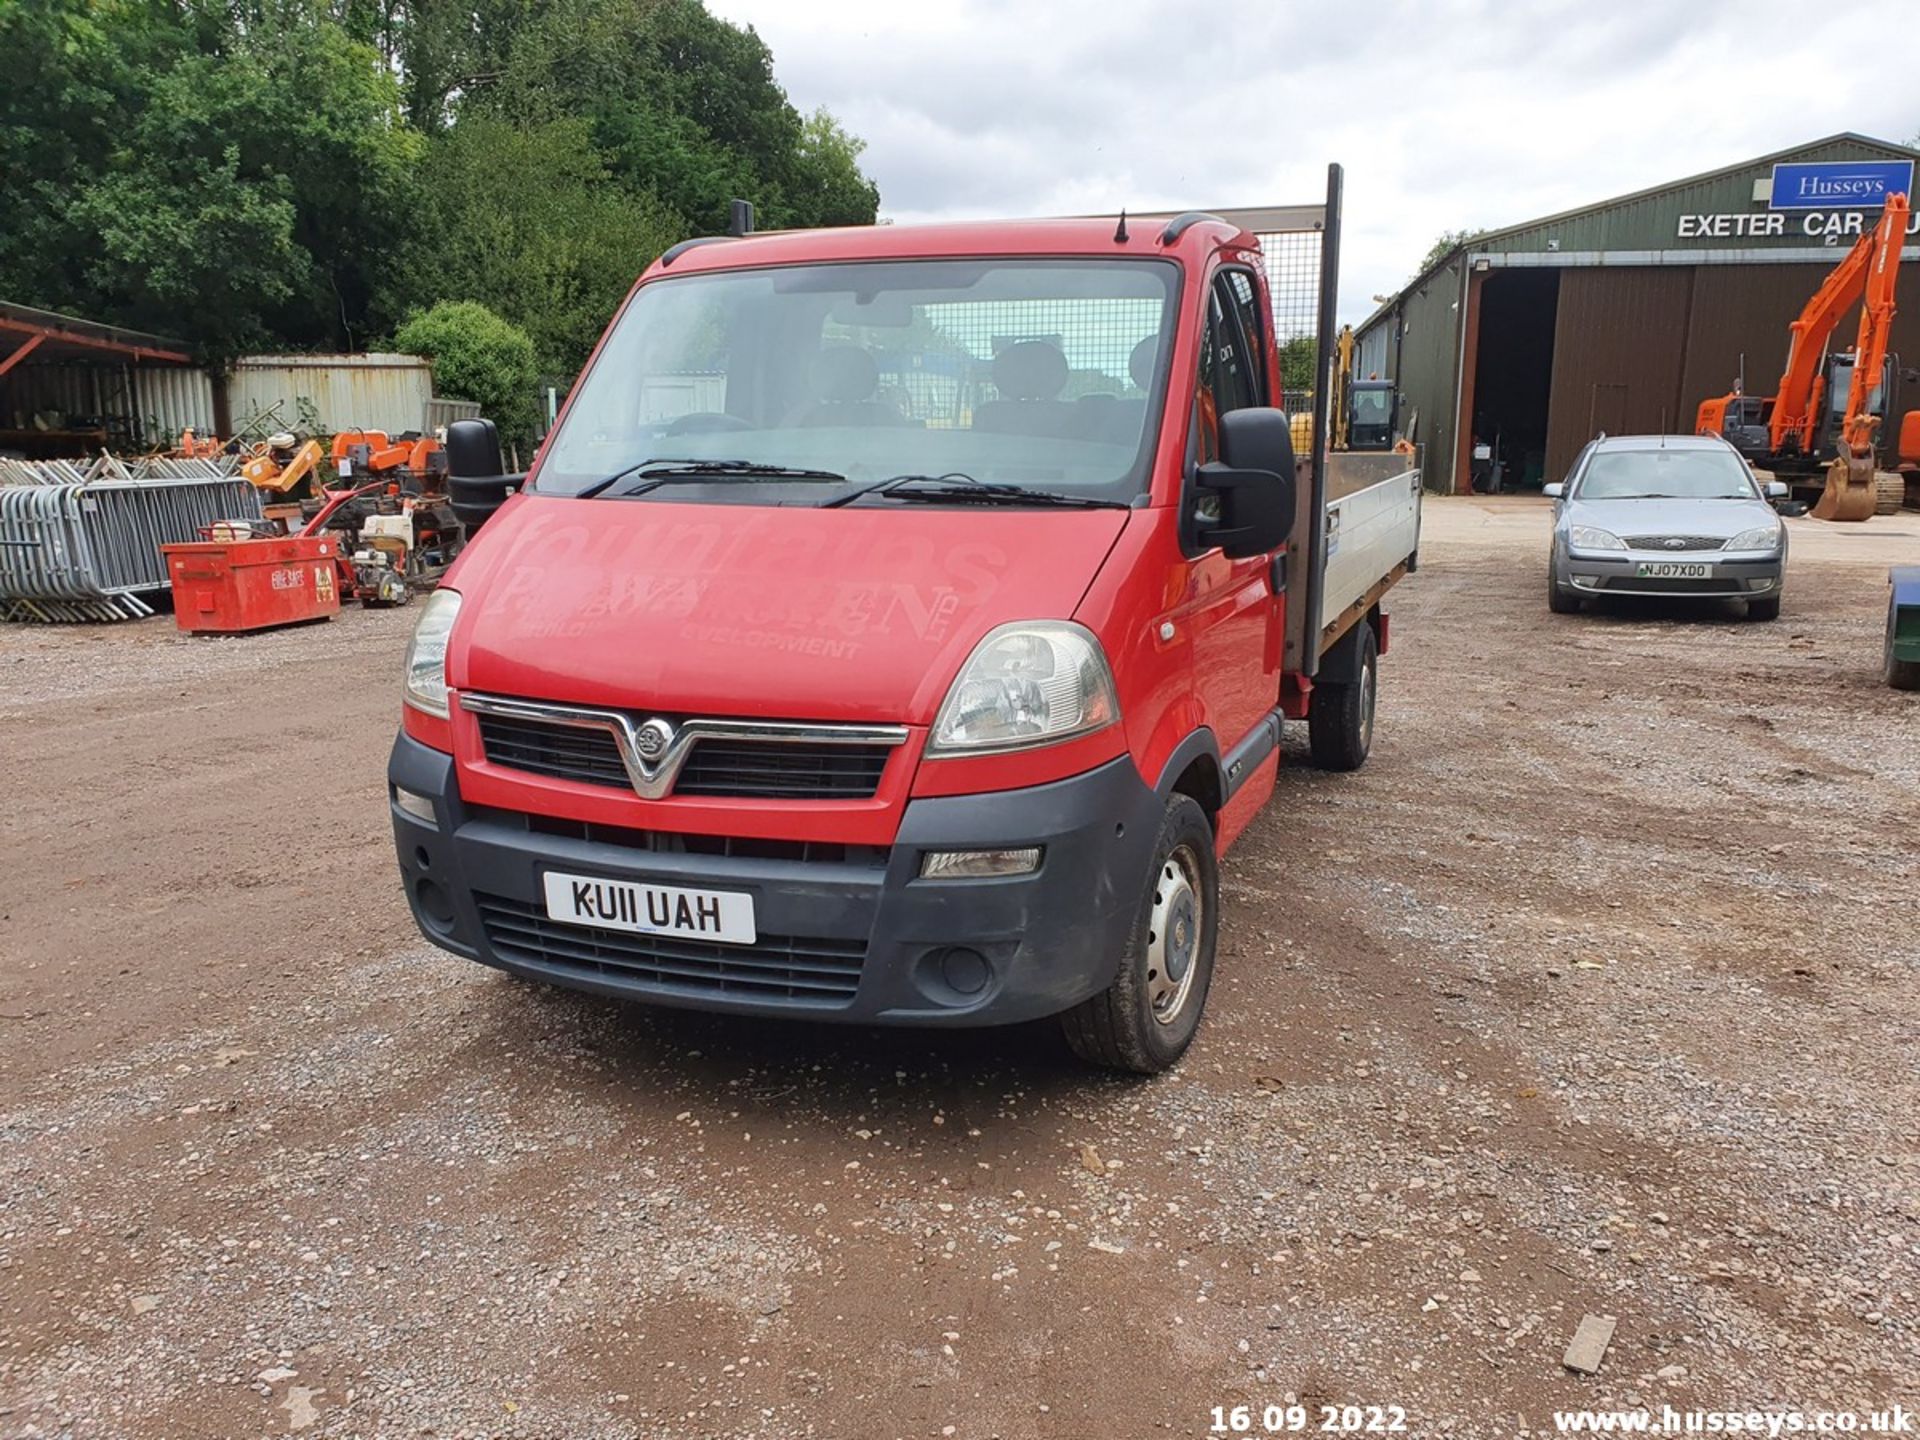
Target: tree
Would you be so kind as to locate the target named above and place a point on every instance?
(230, 185)
(828, 187)
(478, 356)
(1449, 240)
(306, 173)
(529, 223)
(1297, 357)
(682, 104)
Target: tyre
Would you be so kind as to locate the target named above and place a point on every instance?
(1146, 1019)
(1889, 492)
(1767, 609)
(1340, 716)
(1558, 600)
(1900, 674)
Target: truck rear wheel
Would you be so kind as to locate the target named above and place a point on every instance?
(1340, 714)
(1146, 1019)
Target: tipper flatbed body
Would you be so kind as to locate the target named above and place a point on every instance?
(897, 628)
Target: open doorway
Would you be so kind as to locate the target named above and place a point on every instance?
(1513, 378)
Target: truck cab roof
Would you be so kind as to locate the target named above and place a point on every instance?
(1146, 239)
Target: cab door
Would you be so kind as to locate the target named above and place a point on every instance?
(1232, 610)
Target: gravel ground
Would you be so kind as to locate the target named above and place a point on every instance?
(1593, 992)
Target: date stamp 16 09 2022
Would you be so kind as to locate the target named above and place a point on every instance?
(1308, 1419)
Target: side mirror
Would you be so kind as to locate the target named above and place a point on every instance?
(475, 482)
(1778, 490)
(1254, 478)
(1553, 491)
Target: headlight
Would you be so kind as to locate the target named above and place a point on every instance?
(427, 653)
(1029, 683)
(1761, 537)
(1585, 537)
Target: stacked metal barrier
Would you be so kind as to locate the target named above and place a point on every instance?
(83, 542)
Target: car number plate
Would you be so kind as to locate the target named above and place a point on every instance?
(720, 915)
(1675, 570)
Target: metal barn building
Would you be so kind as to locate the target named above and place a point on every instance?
(1623, 316)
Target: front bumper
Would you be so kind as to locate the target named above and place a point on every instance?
(1618, 573)
(845, 933)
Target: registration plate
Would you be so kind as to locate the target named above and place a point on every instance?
(719, 915)
(1675, 570)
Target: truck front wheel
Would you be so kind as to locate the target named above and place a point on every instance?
(1340, 714)
(1145, 1020)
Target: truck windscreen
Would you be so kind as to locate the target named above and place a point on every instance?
(1045, 374)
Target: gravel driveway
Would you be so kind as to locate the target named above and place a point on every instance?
(1595, 992)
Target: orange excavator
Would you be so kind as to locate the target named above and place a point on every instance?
(1824, 419)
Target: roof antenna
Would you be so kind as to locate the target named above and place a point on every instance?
(1120, 230)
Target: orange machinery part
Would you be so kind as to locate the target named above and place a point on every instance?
(382, 454)
(267, 473)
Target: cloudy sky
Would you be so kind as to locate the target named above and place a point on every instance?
(1445, 115)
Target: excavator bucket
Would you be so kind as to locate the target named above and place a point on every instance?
(1852, 491)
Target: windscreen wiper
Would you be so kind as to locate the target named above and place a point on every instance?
(655, 473)
(958, 488)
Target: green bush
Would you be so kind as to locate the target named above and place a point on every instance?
(478, 356)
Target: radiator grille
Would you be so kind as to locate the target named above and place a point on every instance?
(798, 970)
(1665, 542)
(764, 770)
(560, 751)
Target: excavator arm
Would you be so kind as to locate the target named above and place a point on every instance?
(1796, 403)
(1342, 387)
(1851, 492)
(1876, 314)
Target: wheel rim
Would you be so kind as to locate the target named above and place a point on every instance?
(1174, 928)
(1366, 707)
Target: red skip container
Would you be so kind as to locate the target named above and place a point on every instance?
(227, 586)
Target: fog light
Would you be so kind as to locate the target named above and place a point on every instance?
(965, 971)
(435, 904)
(418, 806)
(1586, 582)
(1763, 583)
(978, 864)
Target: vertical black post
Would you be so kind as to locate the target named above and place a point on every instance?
(1322, 423)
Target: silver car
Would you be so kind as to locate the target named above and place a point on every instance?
(1668, 515)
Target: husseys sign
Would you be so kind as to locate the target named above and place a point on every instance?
(1827, 201)
(1839, 184)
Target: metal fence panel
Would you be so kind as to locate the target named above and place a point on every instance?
(84, 544)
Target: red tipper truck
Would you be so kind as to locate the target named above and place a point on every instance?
(896, 627)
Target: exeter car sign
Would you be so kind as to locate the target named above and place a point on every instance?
(1839, 184)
